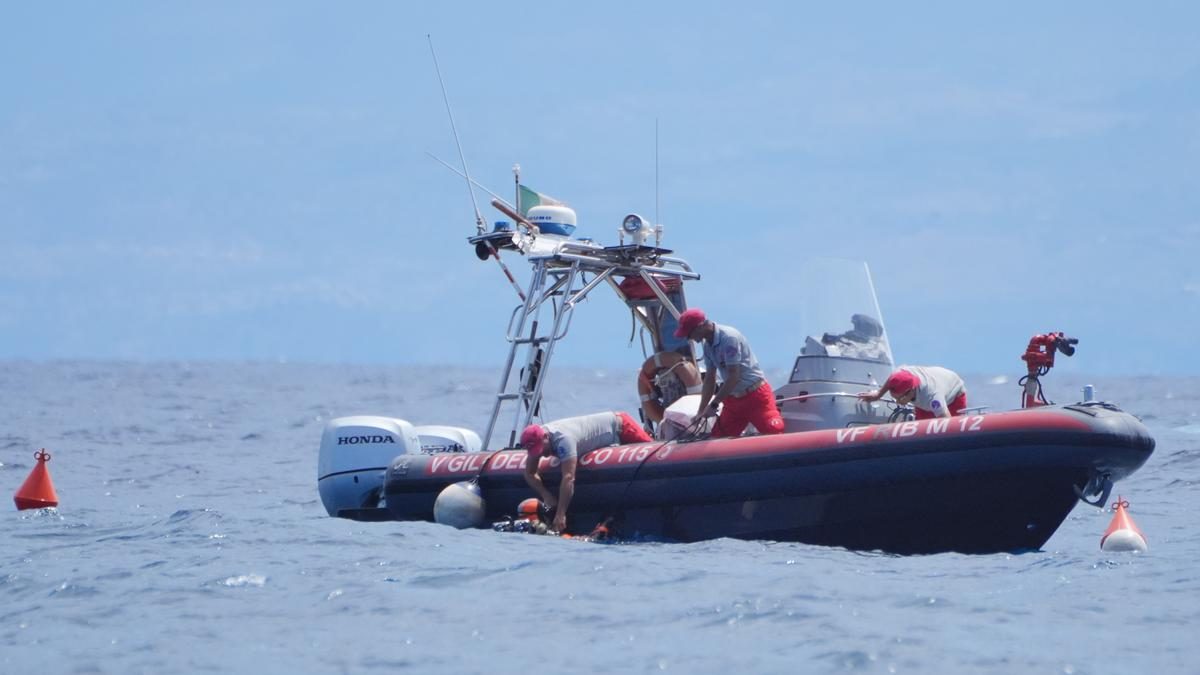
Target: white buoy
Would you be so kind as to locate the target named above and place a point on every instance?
(1124, 540)
(460, 505)
(1123, 534)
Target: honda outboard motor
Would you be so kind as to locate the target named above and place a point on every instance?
(437, 438)
(355, 454)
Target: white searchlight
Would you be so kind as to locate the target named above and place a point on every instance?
(637, 228)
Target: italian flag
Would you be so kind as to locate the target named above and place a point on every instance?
(531, 198)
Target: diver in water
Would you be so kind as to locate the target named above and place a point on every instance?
(533, 518)
(567, 439)
(746, 395)
(934, 391)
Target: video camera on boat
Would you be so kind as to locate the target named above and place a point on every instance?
(1039, 355)
(1066, 345)
(1039, 359)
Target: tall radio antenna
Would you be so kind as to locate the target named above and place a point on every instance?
(656, 220)
(462, 158)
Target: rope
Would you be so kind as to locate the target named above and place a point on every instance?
(689, 433)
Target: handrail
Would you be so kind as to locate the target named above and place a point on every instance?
(832, 394)
(536, 398)
(592, 262)
(508, 333)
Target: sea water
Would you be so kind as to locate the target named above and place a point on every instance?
(190, 538)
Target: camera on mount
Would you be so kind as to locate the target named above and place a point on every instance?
(1066, 345)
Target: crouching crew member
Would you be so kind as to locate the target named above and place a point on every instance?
(933, 391)
(745, 395)
(567, 439)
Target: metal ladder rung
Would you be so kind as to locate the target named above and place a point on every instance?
(530, 341)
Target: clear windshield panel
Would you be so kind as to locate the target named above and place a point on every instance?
(836, 311)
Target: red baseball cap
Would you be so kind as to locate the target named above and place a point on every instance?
(688, 322)
(533, 438)
(901, 382)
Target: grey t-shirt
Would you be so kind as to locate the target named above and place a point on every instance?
(573, 436)
(730, 348)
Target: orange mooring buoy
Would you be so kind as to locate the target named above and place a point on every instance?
(37, 492)
(1122, 533)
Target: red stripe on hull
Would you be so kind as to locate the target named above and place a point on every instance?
(513, 461)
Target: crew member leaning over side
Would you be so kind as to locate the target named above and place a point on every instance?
(934, 391)
(567, 439)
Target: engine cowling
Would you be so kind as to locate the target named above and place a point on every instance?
(355, 454)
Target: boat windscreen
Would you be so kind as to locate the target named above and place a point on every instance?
(836, 311)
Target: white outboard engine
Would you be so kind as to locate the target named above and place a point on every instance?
(436, 438)
(355, 454)
(357, 451)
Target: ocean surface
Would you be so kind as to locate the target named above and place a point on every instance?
(190, 538)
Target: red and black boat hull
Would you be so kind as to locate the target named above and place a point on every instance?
(974, 484)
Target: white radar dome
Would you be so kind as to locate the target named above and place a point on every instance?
(553, 219)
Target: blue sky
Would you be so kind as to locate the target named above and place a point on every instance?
(217, 181)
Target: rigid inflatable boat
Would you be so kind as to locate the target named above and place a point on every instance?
(845, 472)
(973, 483)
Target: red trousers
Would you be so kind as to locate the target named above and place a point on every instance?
(757, 407)
(631, 431)
(956, 407)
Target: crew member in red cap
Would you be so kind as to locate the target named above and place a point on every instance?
(567, 439)
(745, 396)
(934, 391)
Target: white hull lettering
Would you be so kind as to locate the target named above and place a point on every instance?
(459, 463)
(618, 455)
(971, 423)
(937, 425)
(852, 433)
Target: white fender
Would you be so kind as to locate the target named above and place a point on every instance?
(460, 505)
